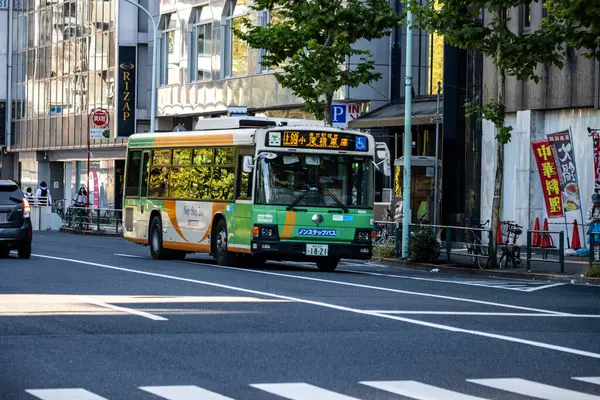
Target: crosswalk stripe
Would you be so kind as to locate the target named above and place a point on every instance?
(590, 379)
(183, 393)
(533, 389)
(301, 391)
(418, 390)
(64, 394)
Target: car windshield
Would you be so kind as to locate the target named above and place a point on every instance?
(8, 191)
(319, 180)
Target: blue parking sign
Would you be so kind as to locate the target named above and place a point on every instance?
(338, 113)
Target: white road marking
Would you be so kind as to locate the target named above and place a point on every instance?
(498, 314)
(590, 379)
(128, 255)
(521, 286)
(183, 393)
(533, 389)
(118, 308)
(447, 328)
(301, 391)
(437, 296)
(418, 390)
(64, 394)
(533, 289)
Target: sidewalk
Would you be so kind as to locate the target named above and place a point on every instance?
(574, 268)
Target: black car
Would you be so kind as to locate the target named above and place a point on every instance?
(15, 221)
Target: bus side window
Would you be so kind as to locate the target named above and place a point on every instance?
(132, 183)
(244, 184)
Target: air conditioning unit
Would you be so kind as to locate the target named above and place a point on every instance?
(386, 195)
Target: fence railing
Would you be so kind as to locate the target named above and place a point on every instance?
(93, 219)
(546, 246)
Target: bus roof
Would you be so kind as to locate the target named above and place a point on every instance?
(229, 137)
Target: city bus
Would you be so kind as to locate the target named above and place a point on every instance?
(249, 190)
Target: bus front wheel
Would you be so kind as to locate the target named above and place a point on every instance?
(328, 264)
(222, 255)
(157, 251)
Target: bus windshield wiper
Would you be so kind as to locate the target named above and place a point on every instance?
(298, 199)
(335, 198)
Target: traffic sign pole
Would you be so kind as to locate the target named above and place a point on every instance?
(100, 119)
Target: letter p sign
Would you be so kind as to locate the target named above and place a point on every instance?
(338, 113)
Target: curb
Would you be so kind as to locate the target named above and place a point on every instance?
(515, 274)
(89, 233)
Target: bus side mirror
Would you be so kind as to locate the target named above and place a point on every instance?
(387, 170)
(248, 164)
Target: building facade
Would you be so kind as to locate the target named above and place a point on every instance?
(205, 69)
(564, 100)
(70, 57)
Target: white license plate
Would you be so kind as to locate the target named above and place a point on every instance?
(321, 250)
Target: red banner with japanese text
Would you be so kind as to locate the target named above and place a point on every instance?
(549, 178)
(564, 158)
(596, 137)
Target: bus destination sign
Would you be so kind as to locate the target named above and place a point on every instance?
(318, 140)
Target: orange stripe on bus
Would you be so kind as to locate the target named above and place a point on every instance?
(204, 140)
(286, 226)
(216, 207)
(171, 206)
(194, 247)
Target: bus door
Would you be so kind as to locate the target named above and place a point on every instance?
(144, 207)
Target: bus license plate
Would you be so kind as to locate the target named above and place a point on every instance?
(321, 250)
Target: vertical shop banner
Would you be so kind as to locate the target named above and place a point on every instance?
(96, 189)
(564, 158)
(548, 177)
(2, 123)
(126, 86)
(596, 138)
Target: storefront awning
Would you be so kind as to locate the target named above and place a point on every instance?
(393, 115)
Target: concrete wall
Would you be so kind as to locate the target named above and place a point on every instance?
(523, 199)
(576, 85)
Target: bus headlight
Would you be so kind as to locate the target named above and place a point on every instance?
(363, 235)
(265, 232)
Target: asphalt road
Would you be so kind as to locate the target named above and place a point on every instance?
(95, 318)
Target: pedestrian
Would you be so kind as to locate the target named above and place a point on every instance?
(29, 192)
(592, 218)
(44, 193)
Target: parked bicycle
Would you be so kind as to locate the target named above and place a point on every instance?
(475, 248)
(511, 251)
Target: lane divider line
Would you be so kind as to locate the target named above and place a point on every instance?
(442, 327)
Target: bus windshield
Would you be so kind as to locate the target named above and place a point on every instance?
(315, 180)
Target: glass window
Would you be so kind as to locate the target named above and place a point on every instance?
(161, 157)
(8, 191)
(169, 48)
(320, 180)
(132, 183)
(224, 156)
(182, 157)
(158, 185)
(235, 61)
(203, 156)
(200, 46)
(223, 183)
(266, 18)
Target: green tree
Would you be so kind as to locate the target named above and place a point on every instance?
(578, 21)
(462, 24)
(311, 40)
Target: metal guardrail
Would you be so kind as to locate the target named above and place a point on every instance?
(545, 249)
(93, 219)
(594, 256)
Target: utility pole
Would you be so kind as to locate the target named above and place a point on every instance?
(438, 119)
(407, 137)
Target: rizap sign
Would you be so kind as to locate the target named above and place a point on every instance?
(342, 114)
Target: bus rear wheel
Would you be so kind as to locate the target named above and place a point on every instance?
(328, 264)
(157, 251)
(222, 254)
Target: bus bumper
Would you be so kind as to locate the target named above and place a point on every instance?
(297, 251)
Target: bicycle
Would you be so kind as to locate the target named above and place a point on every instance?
(474, 246)
(511, 250)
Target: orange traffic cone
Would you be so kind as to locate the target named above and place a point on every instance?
(536, 233)
(499, 238)
(545, 236)
(576, 241)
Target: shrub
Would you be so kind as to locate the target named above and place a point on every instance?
(592, 272)
(423, 246)
(387, 250)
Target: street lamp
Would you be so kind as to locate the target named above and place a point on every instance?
(154, 63)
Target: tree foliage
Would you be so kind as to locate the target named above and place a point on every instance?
(577, 21)
(311, 39)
